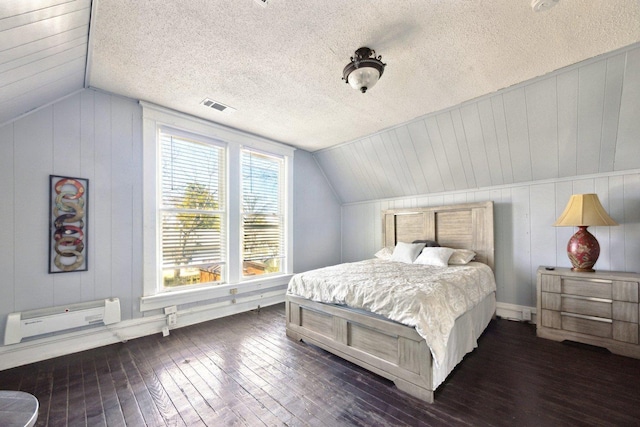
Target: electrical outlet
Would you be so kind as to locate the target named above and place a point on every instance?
(172, 319)
(526, 314)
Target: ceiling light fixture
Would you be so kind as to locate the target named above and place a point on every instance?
(542, 5)
(364, 70)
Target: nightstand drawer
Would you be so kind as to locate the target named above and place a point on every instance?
(587, 306)
(587, 288)
(625, 291)
(599, 308)
(587, 325)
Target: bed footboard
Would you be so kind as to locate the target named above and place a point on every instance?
(387, 348)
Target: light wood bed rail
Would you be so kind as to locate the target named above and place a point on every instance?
(384, 347)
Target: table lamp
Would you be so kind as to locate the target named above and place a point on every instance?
(582, 211)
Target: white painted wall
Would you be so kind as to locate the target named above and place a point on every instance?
(580, 120)
(316, 216)
(98, 136)
(89, 135)
(524, 235)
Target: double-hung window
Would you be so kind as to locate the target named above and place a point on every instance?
(263, 213)
(217, 213)
(192, 213)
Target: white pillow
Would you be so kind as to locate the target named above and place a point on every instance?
(406, 252)
(385, 253)
(435, 256)
(462, 257)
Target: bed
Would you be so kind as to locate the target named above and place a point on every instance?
(389, 348)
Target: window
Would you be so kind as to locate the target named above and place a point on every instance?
(263, 219)
(217, 212)
(192, 211)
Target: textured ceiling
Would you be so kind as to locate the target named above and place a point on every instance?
(280, 66)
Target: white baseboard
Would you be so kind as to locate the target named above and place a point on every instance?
(59, 345)
(515, 312)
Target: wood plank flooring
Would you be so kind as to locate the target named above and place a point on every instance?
(242, 370)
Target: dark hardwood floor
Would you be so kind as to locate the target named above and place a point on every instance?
(243, 370)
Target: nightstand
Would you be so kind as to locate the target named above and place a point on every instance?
(598, 308)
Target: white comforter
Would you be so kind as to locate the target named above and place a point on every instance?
(425, 297)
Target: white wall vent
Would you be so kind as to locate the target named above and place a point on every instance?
(215, 105)
(54, 319)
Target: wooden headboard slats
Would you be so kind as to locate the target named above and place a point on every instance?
(463, 226)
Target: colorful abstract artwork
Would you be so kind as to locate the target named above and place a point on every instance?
(68, 224)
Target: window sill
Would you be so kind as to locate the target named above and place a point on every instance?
(189, 296)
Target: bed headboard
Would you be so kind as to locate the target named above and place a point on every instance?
(464, 226)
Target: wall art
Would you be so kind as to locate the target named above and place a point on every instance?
(69, 198)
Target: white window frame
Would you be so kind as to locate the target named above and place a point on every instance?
(283, 201)
(154, 297)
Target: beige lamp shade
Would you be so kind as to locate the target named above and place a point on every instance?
(584, 210)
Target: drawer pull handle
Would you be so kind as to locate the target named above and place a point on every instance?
(594, 299)
(582, 316)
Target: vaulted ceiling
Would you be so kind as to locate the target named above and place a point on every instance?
(279, 65)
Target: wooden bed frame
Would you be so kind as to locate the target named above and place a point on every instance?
(384, 347)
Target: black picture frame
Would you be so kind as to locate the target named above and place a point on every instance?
(68, 224)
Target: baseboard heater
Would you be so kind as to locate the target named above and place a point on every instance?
(55, 319)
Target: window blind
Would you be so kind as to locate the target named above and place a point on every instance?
(263, 209)
(191, 204)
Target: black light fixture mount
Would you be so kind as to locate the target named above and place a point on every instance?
(364, 70)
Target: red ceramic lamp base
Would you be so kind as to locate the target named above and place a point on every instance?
(583, 250)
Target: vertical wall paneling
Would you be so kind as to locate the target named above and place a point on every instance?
(627, 149)
(444, 124)
(563, 191)
(7, 231)
(412, 150)
(567, 92)
(102, 222)
(90, 135)
(504, 151)
(385, 167)
(122, 203)
(33, 136)
(489, 136)
(543, 128)
(463, 147)
(611, 111)
(442, 160)
(580, 120)
(522, 250)
(543, 233)
(603, 234)
(632, 222)
(361, 169)
(518, 131)
(87, 170)
(617, 234)
(504, 248)
(590, 107)
(330, 169)
(476, 145)
(370, 165)
(525, 237)
(402, 176)
(66, 162)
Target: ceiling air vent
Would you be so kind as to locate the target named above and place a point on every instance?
(215, 105)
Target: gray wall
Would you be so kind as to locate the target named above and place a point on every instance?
(316, 216)
(581, 120)
(524, 235)
(527, 148)
(98, 136)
